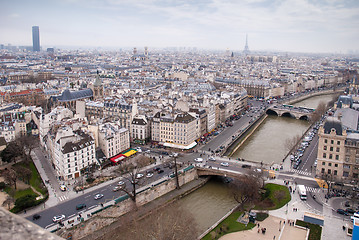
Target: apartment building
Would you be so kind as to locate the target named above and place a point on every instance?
(113, 139)
(73, 151)
(118, 110)
(177, 130)
(140, 129)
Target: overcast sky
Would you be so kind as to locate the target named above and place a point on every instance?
(285, 25)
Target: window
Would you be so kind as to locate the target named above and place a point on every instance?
(325, 148)
(323, 170)
(329, 164)
(325, 140)
(338, 142)
(329, 171)
(332, 141)
(323, 163)
(337, 149)
(336, 165)
(330, 156)
(335, 172)
(336, 157)
(331, 149)
(345, 174)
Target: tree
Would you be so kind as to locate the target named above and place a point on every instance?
(23, 173)
(292, 142)
(245, 189)
(26, 201)
(174, 156)
(167, 223)
(27, 144)
(10, 176)
(129, 171)
(11, 152)
(8, 201)
(319, 112)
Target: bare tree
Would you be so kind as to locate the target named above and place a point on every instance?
(130, 170)
(23, 173)
(174, 156)
(27, 143)
(8, 201)
(290, 143)
(319, 111)
(10, 176)
(168, 223)
(245, 190)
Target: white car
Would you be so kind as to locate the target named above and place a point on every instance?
(58, 218)
(198, 159)
(224, 164)
(211, 158)
(149, 175)
(98, 196)
(139, 175)
(121, 183)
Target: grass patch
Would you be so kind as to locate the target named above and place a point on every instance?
(315, 231)
(228, 225)
(261, 216)
(275, 196)
(35, 180)
(21, 193)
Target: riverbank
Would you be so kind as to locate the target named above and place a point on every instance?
(105, 224)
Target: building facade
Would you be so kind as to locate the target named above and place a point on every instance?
(113, 139)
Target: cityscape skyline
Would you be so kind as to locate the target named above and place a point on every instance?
(295, 25)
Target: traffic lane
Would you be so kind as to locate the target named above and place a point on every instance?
(309, 155)
(68, 208)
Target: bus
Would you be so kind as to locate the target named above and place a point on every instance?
(302, 192)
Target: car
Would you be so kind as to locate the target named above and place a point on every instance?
(156, 169)
(211, 158)
(80, 206)
(246, 166)
(342, 212)
(121, 183)
(198, 159)
(149, 175)
(36, 217)
(98, 196)
(224, 164)
(139, 175)
(115, 189)
(350, 211)
(58, 218)
(160, 171)
(63, 188)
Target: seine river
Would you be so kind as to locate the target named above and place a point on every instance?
(209, 203)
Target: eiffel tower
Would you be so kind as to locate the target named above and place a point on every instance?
(246, 48)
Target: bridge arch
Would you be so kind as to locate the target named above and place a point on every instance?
(304, 117)
(272, 112)
(288, 114)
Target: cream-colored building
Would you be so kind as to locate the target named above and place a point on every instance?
(113, 139)
(140, 129)
(331, 150)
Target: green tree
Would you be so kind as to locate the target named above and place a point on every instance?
(26, 201)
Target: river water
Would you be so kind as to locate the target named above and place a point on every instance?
(209, 203)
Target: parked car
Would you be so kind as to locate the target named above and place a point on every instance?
(246, 166)
(139, 175)
(121, 183)
(350, 211)
(160, 171)
(58, 218)
(224, 164)
(98, 196)
(80, 206)
(36, 217)
(342, 212)
(149, 175)
(115, 189)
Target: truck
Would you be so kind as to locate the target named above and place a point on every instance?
(302, 192)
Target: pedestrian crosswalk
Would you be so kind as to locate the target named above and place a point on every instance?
(63, 198)
(300, 172)
(312, 189)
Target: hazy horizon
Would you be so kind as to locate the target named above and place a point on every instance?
(321, 26)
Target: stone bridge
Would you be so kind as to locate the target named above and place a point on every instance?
(201, 171)
(301, 113)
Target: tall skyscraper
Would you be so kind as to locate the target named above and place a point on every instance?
(35, 39)
(246, 48)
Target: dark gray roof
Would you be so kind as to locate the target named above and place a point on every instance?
(138, 121)
(333, 123)
(347, 100)
(67, 95)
